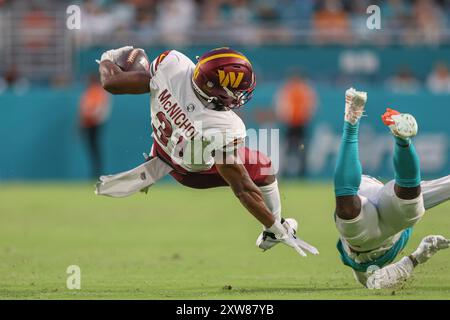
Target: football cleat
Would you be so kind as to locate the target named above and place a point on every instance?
(402, 125)
(267, 240)
(355, 102)
(429, 246)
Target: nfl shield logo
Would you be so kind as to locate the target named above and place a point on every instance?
(190, 107)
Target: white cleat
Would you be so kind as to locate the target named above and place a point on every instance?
(267, 240)
(402, 125)
(429, 246)
(355, 102)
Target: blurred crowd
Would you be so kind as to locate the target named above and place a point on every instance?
(37, 43)
(406, 82)
(262, 21)
(255, 21)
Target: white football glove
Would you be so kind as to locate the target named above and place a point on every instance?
(429, 246)
(286, 235)
(113, 54)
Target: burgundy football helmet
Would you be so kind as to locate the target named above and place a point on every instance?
(225, 77)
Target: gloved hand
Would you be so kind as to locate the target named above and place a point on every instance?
(113, 54)
(286, 235)
(429, 246)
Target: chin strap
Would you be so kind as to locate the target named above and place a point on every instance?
(212, 99)
(232, 95)
(229, 92)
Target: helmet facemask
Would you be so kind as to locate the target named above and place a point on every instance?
(239, 97)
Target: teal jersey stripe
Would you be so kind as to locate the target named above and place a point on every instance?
(385, 259)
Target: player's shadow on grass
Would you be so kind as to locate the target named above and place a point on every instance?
(357, 290)
(289, 289)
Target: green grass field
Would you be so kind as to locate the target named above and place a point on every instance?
(178, 243)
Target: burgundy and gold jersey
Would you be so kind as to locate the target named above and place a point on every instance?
(184, 130)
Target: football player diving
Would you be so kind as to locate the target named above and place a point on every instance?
(375, 220)
(197, 137)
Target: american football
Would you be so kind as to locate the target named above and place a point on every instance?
(225, 150)
(133, 60)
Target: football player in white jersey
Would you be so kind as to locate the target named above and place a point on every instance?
(375, 220)
(199, 136)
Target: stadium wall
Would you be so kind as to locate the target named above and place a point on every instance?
(323, 63)
(40, 137)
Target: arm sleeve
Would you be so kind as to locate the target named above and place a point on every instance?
(391, 275)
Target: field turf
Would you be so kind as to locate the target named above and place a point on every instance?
(177, 243)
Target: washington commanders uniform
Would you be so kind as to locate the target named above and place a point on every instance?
(189, 136)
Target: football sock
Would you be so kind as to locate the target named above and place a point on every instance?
(271, 197)
(347, 176)
(406, 164)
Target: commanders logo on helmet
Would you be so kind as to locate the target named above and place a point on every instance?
(225, 77)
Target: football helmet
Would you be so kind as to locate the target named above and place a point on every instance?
(225, 77)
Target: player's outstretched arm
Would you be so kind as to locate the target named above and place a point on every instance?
(246, 191)
(236, 175)
(116, 81)
(395, 273)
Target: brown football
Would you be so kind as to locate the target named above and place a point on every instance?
(133, 60)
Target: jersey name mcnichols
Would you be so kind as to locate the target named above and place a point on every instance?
(172, 111)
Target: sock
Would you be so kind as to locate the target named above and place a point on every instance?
(271, 197)
(406, 164)
(347, 176)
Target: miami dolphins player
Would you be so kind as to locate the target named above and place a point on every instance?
(375, 220)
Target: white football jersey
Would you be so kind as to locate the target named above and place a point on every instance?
(183, 127)
(379, 221)
(370, 188)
